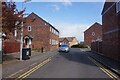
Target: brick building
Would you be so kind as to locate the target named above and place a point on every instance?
(63, 41)
(68, 40)
(111, 29)
(92, 34)
(39, 34)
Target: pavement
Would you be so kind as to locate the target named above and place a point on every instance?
(112, 64)
(12, 67)
(75, 64)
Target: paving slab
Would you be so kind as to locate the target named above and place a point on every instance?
(15, 66)
(108, 62)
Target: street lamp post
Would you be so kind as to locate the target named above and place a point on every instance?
(21, 32)
(21, 41)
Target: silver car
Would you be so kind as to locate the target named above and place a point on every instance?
(64, 48)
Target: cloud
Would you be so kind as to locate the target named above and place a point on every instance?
(67, 3)
(74, 30)
(55, 7)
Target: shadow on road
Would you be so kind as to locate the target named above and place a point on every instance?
(78, 56)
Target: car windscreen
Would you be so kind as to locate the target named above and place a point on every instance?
(64, 46)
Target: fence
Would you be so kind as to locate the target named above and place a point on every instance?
(11, 46)
(96, 46)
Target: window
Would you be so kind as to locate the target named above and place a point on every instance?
(50, 29)
(50, 41)
(93, 33)
(15, 33)
(56, 42)
(45, 23)
(57, 33)
(118, 6)
(29, 28)
(54, 31)
(53, 42)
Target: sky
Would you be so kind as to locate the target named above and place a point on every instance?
(70, 18)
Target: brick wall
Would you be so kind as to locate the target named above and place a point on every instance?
(96, 46)
(40, 32)
(11, 46)
(111, 29)
(88, 37)
(55, 37)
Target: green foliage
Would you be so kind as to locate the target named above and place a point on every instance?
(78, 46)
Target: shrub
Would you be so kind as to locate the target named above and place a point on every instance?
(78, 46)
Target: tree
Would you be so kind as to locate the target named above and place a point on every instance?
(10, 15)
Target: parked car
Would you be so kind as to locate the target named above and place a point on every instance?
(64, 48)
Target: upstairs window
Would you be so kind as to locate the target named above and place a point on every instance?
(93, 33)
(50, 41)
(50, 29)
(118, 7)
(29, 28)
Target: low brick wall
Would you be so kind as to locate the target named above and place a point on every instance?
(11, 46)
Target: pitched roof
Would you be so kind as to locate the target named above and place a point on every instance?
(61, 39)
(42, 20)
(96, 23)
(70, 39)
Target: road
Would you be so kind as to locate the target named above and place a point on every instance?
(75, 64)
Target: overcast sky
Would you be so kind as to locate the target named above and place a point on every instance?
(70, 18)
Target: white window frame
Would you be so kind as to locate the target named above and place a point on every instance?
(15, 32)
(53, 31)
(50, 41)
(56, 42)
(45, 24)
(118, 6)
(56, 33)
(29, 28)
(93, 33)
(50, 29)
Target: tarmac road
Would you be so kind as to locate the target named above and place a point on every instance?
(75, 64)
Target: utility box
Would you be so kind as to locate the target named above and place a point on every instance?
(26, 53)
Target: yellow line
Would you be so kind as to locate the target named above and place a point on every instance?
(103, 69)
(33, 69)
(106, 70)
(100, 67)
(106, 73)
(20, 71)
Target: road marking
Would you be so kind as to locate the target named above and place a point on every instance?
(20, 71)
(33, 69)
(109, 73)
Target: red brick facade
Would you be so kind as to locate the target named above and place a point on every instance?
(111, 30)
(41, 33)
(37, 34)
(92, 34)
